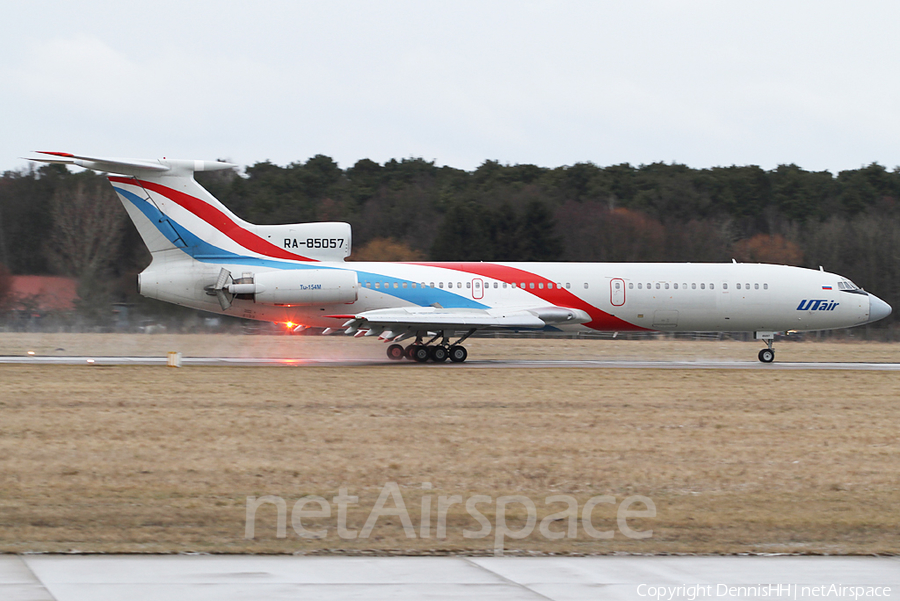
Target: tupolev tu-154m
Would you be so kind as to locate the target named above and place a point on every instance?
(205, 257)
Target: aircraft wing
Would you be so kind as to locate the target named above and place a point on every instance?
(400, 322)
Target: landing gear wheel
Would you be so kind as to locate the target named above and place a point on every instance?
(395, 352)
(410, 351)
(458, 353)
(439, 354)
(767, 355)
(420, 353)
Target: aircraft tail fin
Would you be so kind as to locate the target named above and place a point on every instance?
(172, 211)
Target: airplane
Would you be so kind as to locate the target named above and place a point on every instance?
(205, 257)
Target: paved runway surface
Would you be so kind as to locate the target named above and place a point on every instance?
(200, 578)
(473, 364)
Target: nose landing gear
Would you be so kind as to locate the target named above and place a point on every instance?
(767, 355)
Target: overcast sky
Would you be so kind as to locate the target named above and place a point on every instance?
(703, 83)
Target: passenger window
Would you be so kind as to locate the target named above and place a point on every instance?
(585, 285)
(657, 285)
(413, 284)
(541, 285)
(523, 285)
(404, 284)
(378, 284)
(725, 286)
(549, 285)
(640, 286)
(469, 285)
(432, 285)
(667, 286)
(694, 286)
(675, 286)
(765, 286)
(531, 285)
(568, 286)
(747, 286)
(702, 286)
(684, 286)
(504, 285)
(440, 284)
(712, 286)
(630, 285)
(459, 284)
(738, 286)
(397, 285)
(495, 285)
(368, 284)
(756, 286)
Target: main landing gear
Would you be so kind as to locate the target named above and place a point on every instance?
(421, 352)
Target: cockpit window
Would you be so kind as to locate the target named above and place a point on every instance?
(847, 285)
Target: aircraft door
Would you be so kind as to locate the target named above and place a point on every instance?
(477, 288)
(725, 302)
(617, 292)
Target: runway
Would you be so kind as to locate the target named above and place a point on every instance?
(471, 364)
(233, 577)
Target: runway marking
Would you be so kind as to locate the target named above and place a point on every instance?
(179, 577)
(473, 364)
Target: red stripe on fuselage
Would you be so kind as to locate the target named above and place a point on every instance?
(600, 320)
(217, 219)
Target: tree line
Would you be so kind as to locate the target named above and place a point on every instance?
(56, 222)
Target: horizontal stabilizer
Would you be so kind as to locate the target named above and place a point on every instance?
(130, 166)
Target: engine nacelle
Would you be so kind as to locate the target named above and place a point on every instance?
(305, 287)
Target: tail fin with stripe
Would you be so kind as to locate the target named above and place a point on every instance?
(172, 211)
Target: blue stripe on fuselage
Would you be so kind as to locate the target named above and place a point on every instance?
(205, 252)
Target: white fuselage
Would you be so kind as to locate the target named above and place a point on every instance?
(673, 297)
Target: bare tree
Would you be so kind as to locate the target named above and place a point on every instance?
(386, 249)
(88, 225)
(5, 285)
(763, 248)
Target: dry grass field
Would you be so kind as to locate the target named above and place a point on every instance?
(153, 459)
(340, 347)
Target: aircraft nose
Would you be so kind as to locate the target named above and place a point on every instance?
(878, 309)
